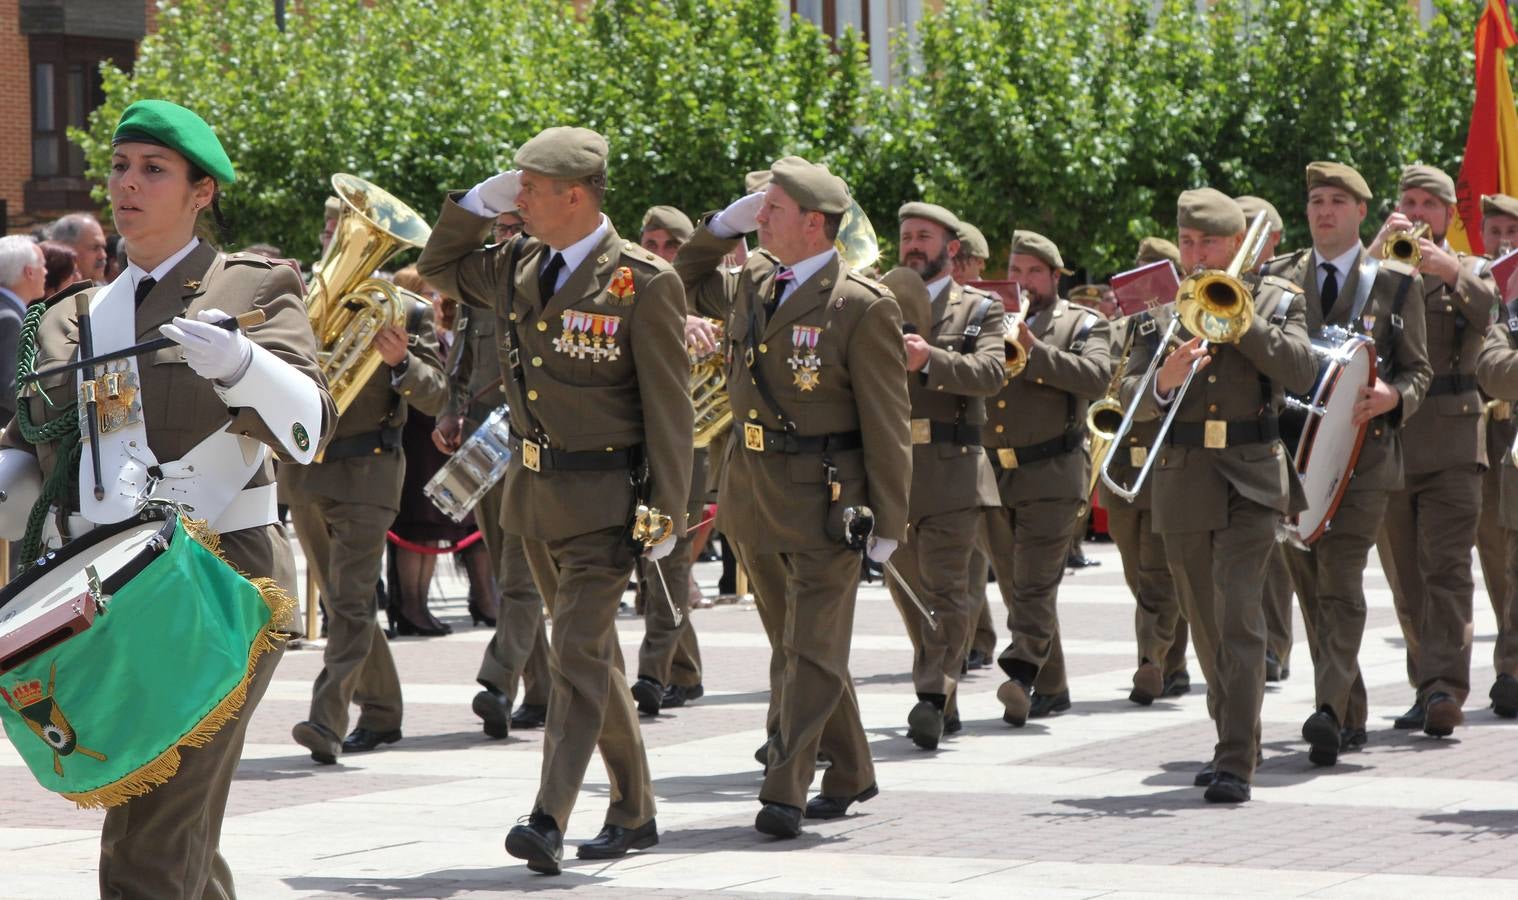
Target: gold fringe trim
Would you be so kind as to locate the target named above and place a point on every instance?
(158, 772)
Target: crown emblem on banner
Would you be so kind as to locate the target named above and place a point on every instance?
(27, 692)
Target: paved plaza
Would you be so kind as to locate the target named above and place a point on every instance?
(1096, 802)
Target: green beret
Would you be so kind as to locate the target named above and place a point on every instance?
(171, 125)
(671, 220)
(1209, 211)
(972, 242)
(1499, 205)
(932, 212)
(811, 185)
(1337, 175)
(564, 152)
(1429, 179)
(756, 180)
(1154, 249)
(1253, 206)
(1031, 243)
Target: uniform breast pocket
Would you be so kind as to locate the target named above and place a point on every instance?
(818, 370)
(1457, 405)
(171, 391)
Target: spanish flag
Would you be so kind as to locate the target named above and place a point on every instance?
(1491, 148)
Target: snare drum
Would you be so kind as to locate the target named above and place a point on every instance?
(1319, 429)
(473, 469)
(122, 647)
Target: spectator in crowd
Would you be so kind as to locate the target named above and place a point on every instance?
(62, 267)
(82, 231)
(115, 257)
(23, 271)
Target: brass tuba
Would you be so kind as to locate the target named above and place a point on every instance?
(856, 241)
(346, 304)
(1403, 245)
(708, 393)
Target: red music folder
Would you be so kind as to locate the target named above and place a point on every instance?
(1146, 287)
(1503, 272)
(1011, 295)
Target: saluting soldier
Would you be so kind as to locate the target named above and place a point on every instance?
(955, 359)
(1350, 288)
(1034, 436)
(818, 384)
(1223, 479)
(1430, 524)
(596, 377)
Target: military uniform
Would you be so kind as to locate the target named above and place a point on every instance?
(1497, 370)
(342, 507)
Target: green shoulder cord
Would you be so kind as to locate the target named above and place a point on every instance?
(63, 429)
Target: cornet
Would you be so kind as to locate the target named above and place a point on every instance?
(1403, 245)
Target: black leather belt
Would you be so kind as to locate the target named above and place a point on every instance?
(1013, 457)
(758, 439)
(928, 432)
(546, 459)
(1451, 384)
(1217, 434)
(374, 443)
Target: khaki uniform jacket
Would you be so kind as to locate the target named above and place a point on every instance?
(1191, 483)
(1403, 352)
(947, 477)
(377, 478)
(1497, 370)
(1130, 457)
(637, 398)
(1448, 429)
(473, 367)
(1069, 366)
(179, 408)
(775, 502)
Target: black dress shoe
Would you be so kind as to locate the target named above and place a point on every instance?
(1441, 715)
(362, 740)
(495, 711)
(320, 740)
(615, 841)
(1273, 667)
(778, 820)
(924, 726)
(823, 807)
(952, 725)
(529, 715)
(1227, 788)
(539, 841)
(1412, 720)
(649, 694)
(677, 695)
(1044, 705)
(1080, 561)
(1351, 739)
(1504, 696)
(1177, 683)
(1205, 775)
(1015, 702)
(978, 660)
(1321, 732)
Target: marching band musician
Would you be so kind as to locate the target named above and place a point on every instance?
(1430, 524)
(1223, 479)
(1034, 437)
(597, 379)
(262, 384)
(1348, 287)
(818, 385)
(955, 361)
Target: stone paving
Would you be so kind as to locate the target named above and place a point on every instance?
(1094, 802)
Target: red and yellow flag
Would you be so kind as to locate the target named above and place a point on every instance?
(1491, 148)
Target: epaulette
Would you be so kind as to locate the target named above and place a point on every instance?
(1282, 283)
(1283, 259)
(874, 287)
(638, 254)
(71, 290)
(242, 257)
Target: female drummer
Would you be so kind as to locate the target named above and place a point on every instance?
(260, 386)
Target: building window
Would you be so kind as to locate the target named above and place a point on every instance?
(66, 88)
(835, 17)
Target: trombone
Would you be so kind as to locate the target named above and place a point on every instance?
(1214, 305)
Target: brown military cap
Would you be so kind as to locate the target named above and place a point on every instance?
(333, 209)
(672, 220)
(932, 212)
(972, 242)
(756, 180)
(811, 185)
(1499, 205)
(1338, 175)
(1429, 179)
(564, 152)
(1086, 295)
(1032, 243)
(1253, 206)
(1154, 249)
(1209, 211)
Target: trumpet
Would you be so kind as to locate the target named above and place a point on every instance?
(1214, 305)
(1017, 357)
(1403, 245)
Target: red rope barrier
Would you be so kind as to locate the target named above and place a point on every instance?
(425, 550)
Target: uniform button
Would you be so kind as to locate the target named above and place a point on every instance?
(542, 326)
(764, 348)
(1212, 379)
(532, 395)
(753, 414)
(1000, 429)
(378, 451)
(1001, 404)
(537, 360)
(1275, 450)
(1039, 380)
(1212, 407)
(406, 393)
(940, 387)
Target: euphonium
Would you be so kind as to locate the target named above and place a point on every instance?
(856, 241)
(708, 393)
(1403, 245)
(348, 306)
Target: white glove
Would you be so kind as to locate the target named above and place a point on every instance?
(880, 549)
(660, 550)
(215, 354)
(495, 194)
(740, 217)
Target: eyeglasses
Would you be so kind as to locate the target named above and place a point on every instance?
(502, 231)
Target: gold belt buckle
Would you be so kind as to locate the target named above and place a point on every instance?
(753, 437)
(1137, 456)
(1502, 411)
(1215, 434)
(532, 456)
(922, 431)
(1007, 457)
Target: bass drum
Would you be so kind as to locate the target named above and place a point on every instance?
(1319, 430)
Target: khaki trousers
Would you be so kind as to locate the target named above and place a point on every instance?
(345, 547)
(1157, 614)
(935, 561)
(590, 706)
(1219, 576)
(983, 638)
(1278, 636)
(670, 653)
(1505, 656)
(1425, 548)
(1027, 545)
(519, 650)
(1492, 545)
(1329, 579)
(806, 603)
